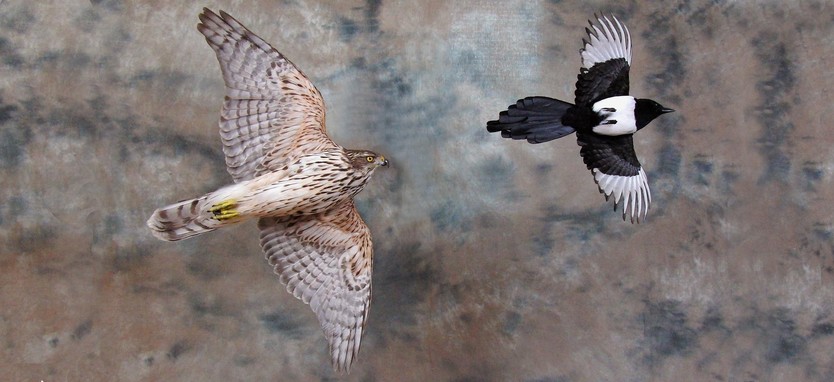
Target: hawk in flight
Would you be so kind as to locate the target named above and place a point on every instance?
(604, 118)
(290, 176)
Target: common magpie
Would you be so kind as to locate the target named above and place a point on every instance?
(603, 116)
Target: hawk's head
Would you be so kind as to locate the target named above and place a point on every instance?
(366, 160)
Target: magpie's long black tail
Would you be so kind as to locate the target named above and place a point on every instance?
(536, 119)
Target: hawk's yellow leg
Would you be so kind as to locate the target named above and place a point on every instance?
(224, 210)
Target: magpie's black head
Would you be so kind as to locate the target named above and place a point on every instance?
(647, 110)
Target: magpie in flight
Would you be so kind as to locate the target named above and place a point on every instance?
(604, 117)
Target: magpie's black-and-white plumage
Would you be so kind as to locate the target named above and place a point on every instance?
(603, 116)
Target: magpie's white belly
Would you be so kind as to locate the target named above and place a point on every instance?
(618, 116)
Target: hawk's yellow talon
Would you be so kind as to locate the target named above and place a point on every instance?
(222, 205)
(225, 215)
(224, 210)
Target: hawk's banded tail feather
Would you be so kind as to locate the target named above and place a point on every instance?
(536, 119)
(193, 217)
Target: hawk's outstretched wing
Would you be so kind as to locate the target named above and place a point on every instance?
(325, 260)
(606, 58)
(617, 171)
(271, 110)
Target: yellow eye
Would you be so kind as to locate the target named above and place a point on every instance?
(369, 159)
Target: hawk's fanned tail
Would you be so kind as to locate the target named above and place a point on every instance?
(193, 217)
(536, 119)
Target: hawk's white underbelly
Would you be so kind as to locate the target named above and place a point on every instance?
(623, 114)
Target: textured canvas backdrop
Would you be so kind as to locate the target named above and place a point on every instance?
(495, 260)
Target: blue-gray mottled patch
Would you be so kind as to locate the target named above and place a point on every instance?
(206, 267)
(778, 165)
(511, 322)
(17, 205)
(87, 20)
(372, 14)
(112, 224)
(773, 113)
(812, 173)
(543, 243)
(68, 60)
(824, 329)
(82, 330)
(496, 175)
(72, 123)
(37, 237)
(728, 180)
(130, 257)
(783, 343)
(397, 105)
(283, 323)
(450, 216)
(201, 307)
(177, 349)
(669, 163)
(165, 78)
(109, 5)
(702, 171)
(666, 49)
(560, 378)
(666, 332)
(166, 137)
(823, 232)
(9, 54)
(348, 29)
(713, 321)
(18, 21)
(403, 278)
(581, 226)
(243, 360)
(7, 112)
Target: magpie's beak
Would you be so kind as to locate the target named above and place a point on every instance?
(666, 110)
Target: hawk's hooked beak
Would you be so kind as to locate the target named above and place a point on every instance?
(382, 161)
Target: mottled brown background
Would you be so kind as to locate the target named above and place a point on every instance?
(495, 260)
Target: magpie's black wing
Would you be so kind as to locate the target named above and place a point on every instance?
(606, 58)
(536, 119)
(617, 171)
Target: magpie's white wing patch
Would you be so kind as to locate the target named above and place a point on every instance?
(633, 190)
(607, 41)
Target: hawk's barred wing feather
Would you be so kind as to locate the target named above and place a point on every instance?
(271, 110)
(326, 260)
